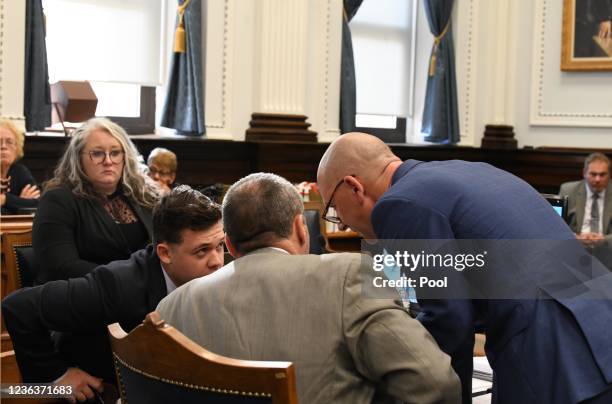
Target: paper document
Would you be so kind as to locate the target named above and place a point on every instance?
(482, 369)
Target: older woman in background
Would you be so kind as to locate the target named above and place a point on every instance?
(162, 167)
(18, 188)
(96, 208)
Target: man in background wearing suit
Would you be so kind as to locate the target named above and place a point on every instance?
(188, 243)
(589, 204)
(552, 342)
(275, 303)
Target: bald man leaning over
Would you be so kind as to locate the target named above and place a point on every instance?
(542, 351)
(277, 303)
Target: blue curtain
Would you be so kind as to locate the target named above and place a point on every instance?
(184, 105)
(348, 93)
(37, 95)
(440, 116)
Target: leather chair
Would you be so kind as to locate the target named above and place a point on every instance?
(155, 363)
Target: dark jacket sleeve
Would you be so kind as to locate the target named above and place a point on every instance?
(20, 177)
(77, 305)
(123, 292)
(53, 237)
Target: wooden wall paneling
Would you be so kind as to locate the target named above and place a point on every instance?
(296, 162)
(205, 162)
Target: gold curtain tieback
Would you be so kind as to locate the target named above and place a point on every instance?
(437, 40)
(179, 33)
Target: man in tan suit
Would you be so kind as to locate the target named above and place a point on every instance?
(276, 303)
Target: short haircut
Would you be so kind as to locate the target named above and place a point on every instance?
(17, 134)
(258, 210)
(180, 209)
(163, 158)
(596, 157)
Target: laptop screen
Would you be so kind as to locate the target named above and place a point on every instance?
(559, 203)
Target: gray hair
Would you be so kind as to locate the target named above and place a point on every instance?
(69, 172)
(259, 209)
(595, 157)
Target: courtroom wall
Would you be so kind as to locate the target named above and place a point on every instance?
(508, 68)
(507, 51)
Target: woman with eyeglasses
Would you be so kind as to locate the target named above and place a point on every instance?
(18, 190)
(96, 208)
(162, 168)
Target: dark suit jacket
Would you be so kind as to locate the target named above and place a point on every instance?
(556, 349)
(122, 291)
(20, 177)
(72, 235)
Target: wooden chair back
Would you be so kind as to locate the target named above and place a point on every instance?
(15, 223)
(155, 363)
(18, 266)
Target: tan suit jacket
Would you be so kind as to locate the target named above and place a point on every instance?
(310, 310)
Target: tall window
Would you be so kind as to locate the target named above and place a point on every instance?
(383, 33)
(115, 45)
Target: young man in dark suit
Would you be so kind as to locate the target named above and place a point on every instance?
(188, 243)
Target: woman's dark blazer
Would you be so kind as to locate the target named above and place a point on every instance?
(73, 235)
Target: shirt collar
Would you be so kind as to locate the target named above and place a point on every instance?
(170, 286)
(267, 249)
(590, 193)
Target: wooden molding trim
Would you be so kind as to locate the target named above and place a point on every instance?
(279, 128)
(499, 137)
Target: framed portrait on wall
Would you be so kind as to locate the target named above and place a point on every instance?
(587, 35)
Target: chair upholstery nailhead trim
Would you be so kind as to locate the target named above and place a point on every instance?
(15, 246)
(181, 384)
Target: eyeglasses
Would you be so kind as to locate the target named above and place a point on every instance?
(154, 170)
(98, 156)
(332, 219)
(7, 142)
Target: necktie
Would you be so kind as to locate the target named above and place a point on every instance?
(595, 214)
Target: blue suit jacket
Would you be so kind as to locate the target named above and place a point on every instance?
(554, 350)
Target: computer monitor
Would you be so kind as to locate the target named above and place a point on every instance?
(559, 204)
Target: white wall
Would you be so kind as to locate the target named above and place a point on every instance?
(508, 57)
(508, 68)
(246, 72)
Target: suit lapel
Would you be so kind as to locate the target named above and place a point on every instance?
(580, 205)
(157, 283)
